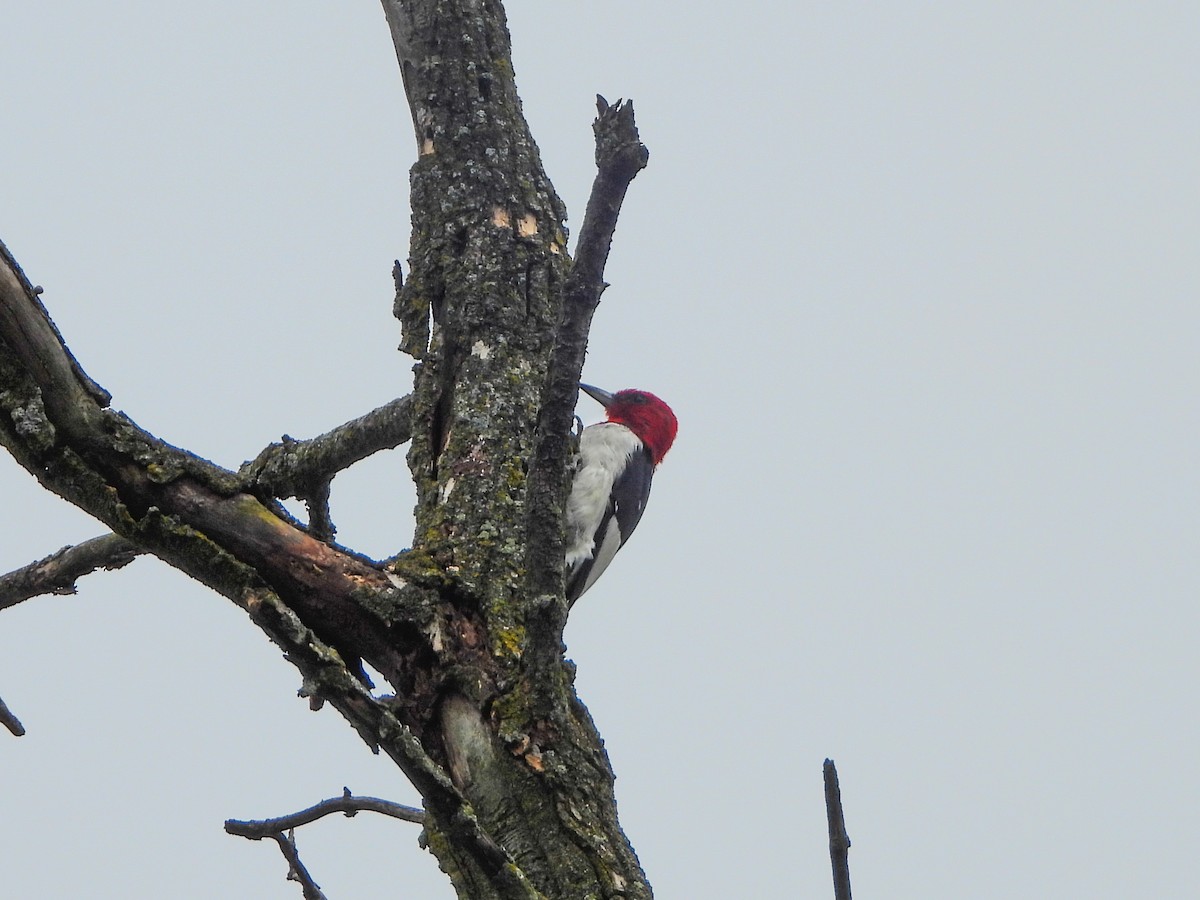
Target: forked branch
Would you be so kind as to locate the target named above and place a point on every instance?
(282, 829)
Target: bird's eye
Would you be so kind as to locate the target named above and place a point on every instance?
(638, 398)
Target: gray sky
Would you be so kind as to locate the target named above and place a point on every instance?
(920, 281)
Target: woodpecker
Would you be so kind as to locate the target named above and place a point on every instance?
(617, 459)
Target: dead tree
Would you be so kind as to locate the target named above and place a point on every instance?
(466, 625)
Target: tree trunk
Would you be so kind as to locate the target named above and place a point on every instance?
(481, 311)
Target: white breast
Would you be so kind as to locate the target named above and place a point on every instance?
(604, 450)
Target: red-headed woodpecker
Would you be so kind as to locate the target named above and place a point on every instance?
(616, 462)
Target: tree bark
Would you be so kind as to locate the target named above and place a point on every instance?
(466, 626)
(483, 310)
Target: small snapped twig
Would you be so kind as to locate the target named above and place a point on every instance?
(346, 804)
(299, 468)
(57, 573)
(839, 840)
(10, 721)
(620, 155)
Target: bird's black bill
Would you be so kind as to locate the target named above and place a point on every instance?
(604, 398)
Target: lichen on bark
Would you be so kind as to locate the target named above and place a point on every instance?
(481, 307)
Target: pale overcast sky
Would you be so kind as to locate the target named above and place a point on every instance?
(921, 282)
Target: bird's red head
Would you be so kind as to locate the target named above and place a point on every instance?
(643, 414)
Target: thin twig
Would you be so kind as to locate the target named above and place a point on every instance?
(10, 721)
(57, 573)
(346, 804)
(839, 840)
(296, 869)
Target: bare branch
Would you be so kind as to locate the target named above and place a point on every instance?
(14, 285)
(57, 573)
(70, 397)
(299, 468)
(195, 516)
(347, 804)
(620, 155)
(10, 721)
(184, 509)
(839, 840)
